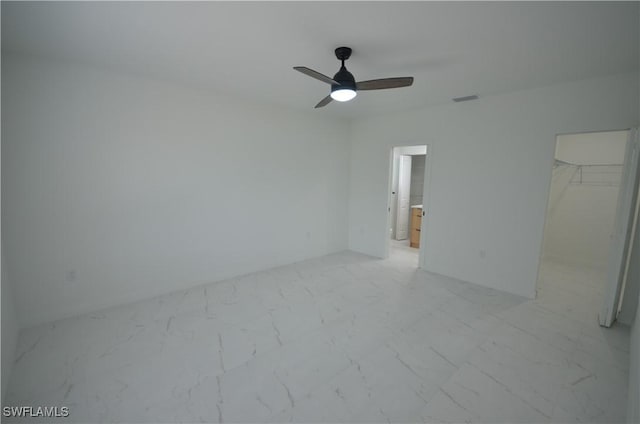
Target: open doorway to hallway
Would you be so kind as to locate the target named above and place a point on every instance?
(407, 201)
(582, 211)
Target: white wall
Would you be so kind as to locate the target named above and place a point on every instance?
(633, 404)
(417, 179)
(491, 167)
(579, 224)
(560, 179)
(632, 285)
(9, 327)
(592, 148)
(9, 330)
(119, 188)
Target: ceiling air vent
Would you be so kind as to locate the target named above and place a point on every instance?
(465, 98)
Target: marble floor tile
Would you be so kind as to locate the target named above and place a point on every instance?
(483, 398)
(529, 369)
(341, 338)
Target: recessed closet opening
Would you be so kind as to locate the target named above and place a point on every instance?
(591, 202)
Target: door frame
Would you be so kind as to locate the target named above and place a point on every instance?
(621, 237)
(426, 197)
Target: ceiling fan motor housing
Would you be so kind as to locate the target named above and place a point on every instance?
(345, 80)
(343, 77)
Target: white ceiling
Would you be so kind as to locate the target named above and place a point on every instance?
(247, 49)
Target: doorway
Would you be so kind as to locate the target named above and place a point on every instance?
(406, 202)
(589, 181)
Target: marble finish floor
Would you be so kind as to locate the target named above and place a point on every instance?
(402, 246)
(342, 338)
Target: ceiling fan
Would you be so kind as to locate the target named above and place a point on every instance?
(344, 86)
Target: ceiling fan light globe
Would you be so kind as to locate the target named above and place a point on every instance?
(343, 94)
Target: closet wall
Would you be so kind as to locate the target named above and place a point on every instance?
(583, 198)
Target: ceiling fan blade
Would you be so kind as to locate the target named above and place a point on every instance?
(315, 74)
(324, 102)
(383, 83)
